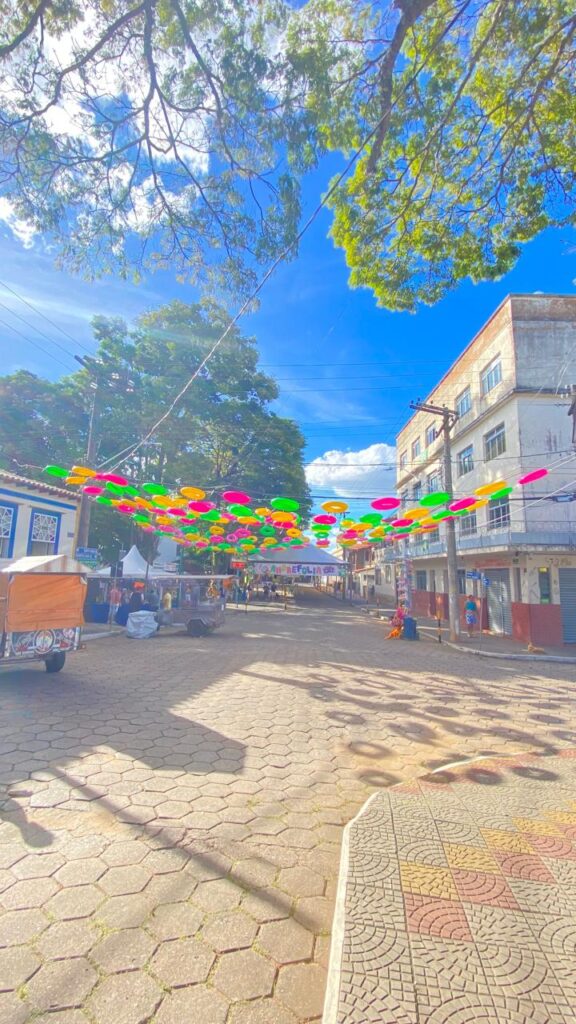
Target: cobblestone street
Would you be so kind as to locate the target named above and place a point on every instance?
(172, 810)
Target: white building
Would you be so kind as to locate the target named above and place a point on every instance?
(511, 390)
(35, 518)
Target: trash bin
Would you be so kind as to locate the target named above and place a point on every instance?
(410, 631)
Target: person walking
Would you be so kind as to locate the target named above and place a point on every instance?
(470, 612)
(114, 598)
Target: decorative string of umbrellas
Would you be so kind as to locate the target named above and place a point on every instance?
(233, 524)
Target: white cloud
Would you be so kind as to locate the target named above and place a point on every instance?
(21, 229)
(368, 472)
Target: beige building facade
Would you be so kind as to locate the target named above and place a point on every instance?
(512, 391)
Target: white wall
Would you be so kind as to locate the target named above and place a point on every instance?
(26, 501)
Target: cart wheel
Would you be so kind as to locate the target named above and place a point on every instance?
(55, 663)
(196, 627)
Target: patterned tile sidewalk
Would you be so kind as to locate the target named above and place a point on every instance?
(457, 900)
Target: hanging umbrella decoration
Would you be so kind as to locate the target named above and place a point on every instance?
(233, 523)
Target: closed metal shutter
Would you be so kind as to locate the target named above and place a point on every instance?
(499, 601)
(568, 604)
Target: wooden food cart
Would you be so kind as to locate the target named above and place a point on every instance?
(41, 610)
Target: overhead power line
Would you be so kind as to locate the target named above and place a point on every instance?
(39, 312)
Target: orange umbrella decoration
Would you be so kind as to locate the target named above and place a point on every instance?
(231, 522)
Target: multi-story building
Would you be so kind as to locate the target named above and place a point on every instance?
(35, 518)
(511, 389)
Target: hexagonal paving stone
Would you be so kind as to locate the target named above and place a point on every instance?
(61, 984)
(197, 1003)
(79, 901)
(182, 962)
(118, 881)
(315, 913)
(254, 873)
(124, 951)
(38, 865)
(244, 975)
(125, 911)
(33, 892)
(64, 1017)
(120, 854)
(125, 999)
(261, 1011)
(227, 932)
(301, 838)
(267, 905)
(19, 926)
(65, 939)
(301, 881)
(301, 988)
(12, 1009)
(16, 966)
(164, 861)
(220, 894)
(285, 941)
(80, 872)
(173, 809)
(175, 920)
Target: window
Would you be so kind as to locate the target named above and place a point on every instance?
(415, 448)
(494, 442)
(545, 586)
(404, 498)
(462, 581)
(388, 573)
(430, 434)
(464, 402)
(468, 525)
(432, 535)
(378, 577)
(417, 492)
(420, 579)
(491, 376)
(465, 460)
(403, 460)
(499, 513)
(7, 529)
(434, 482)
(44, 530)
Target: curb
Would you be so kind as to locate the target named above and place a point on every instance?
(99, 636)
(556, 658)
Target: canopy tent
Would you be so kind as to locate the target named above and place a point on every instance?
(307, 555)
(135, 567)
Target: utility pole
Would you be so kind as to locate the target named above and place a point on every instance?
(115, 382)
(449, 418)
(91, 449)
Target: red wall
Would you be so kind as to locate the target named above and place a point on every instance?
(537, 623)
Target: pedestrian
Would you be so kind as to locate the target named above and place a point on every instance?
(470, 612)
(167, 601)
(135, 602)
(114, 599)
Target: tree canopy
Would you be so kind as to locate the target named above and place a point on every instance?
(470, 106)
(222, 435)
(176, 132)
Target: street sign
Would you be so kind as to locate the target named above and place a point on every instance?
(485, 581)
(473, 574)
(88, 556)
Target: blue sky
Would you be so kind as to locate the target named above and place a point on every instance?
(347, 370)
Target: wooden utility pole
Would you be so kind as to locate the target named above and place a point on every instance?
(449, 418)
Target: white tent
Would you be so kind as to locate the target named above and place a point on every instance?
(307, 555)
(135, 567)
